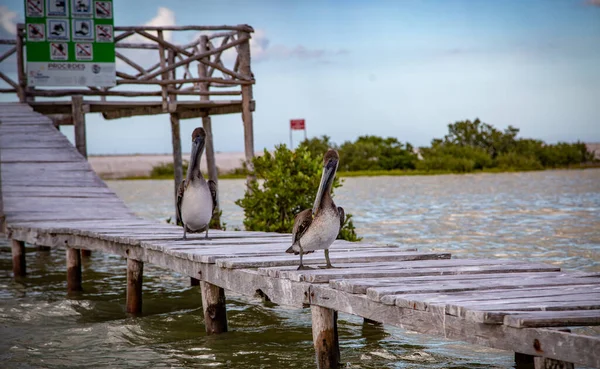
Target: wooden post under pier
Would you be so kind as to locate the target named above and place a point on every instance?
(21, 76)
(73, 270)
(78, 117)
(245, 69)
(325, 337)
(175, 132)
(211, 163)
(18, 258)
(214, 308)
(135, 274)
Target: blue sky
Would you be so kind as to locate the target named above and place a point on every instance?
(390, 68)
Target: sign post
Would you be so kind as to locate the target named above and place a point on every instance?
(70, 43)
(296, 124)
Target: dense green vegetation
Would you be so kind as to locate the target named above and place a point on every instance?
(287, 184)
(469, 146)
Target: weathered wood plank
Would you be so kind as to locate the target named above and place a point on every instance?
(553, 318)
(399, 270)
(311, 259)
(377, 293)
(422, 301)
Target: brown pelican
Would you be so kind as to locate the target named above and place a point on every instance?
(196, 198)
(316, 229)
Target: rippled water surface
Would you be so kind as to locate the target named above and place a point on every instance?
(551, 217)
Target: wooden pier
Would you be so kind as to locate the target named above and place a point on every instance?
(51, 197)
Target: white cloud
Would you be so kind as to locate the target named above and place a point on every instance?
(8, 20)
(164, 17)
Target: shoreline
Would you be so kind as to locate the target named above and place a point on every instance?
(383, 173)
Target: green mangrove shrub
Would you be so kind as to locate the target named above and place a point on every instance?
(286, 184)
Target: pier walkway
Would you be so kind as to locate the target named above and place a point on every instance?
(51, 197)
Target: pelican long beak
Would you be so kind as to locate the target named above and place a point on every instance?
(326, 181)
(197, 149)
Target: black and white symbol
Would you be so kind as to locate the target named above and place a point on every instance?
(56, 8)
(34, 8)
(103, 9)
(83, 52)
(83, 30)
(104, 33)
(96, 69)
(58, 29)
(81, 8)
(36, 32)
(59, 51)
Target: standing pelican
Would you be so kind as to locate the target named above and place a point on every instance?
(196, 198)
(317, 229)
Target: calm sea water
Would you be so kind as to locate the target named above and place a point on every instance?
(551, 217)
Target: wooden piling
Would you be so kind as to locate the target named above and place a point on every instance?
(213, 306)
(18, 258)
(244, 66)
(77, 110)
(135, 274)
(325, 337)
(21, 76)
(73, 270)
(211, 163)
(78, 117)
(175, 133)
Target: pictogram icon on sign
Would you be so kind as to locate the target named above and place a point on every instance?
(59, 51)
(83, 30)
(58, 29)
(36, 32)
(57, 8)
(83, 51)
(103, 9)
(81, 8)
(34, 8)
(104, 33)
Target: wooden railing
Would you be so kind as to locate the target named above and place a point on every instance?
(145, 57)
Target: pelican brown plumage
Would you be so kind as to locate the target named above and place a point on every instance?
(316, 229)
(196, 197)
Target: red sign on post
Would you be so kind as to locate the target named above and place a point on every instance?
(297, 124)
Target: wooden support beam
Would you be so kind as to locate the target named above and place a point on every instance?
(165, 74)
(78, 114)
(198, 57)
(73, 270)
(240, 27)
(545, 363)
(524, 361)
(78, 118)
(175, 134)
(325, 337)
(211, 162)
(244, 55)
(135, 274)
(18, 258)
(21, 76)
(213, 306)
